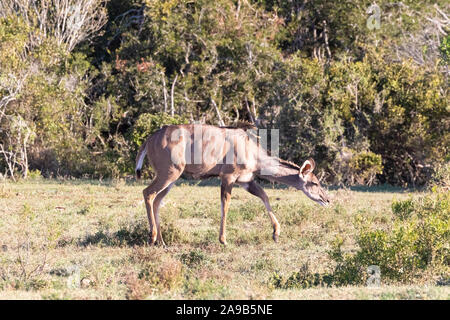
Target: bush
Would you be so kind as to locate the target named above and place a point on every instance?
(416, 247)
(403, 209)
(441, 177)
(357, 168)
(34, 175)
(366, 165)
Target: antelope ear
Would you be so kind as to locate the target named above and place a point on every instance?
(307, 167)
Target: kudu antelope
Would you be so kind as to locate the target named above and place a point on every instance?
(203, 151)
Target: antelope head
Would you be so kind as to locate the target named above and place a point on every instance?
(311, 185)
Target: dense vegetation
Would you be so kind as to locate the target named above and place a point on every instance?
(363, 89)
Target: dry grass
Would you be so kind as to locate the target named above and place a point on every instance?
(87, 240)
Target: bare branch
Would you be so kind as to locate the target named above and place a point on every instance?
(221, 123)
(69, 21)
(172, 106)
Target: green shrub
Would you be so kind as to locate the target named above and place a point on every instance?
(365, 166)
(441, 177)
(445, 49)
(416, 246)
(34, 175)
(403, 209)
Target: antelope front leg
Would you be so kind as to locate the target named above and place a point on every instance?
(225, 196)
(256, 190)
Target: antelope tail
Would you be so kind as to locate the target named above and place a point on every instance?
(140, 159)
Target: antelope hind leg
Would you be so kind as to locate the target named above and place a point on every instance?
(150, 194)
(156, 205)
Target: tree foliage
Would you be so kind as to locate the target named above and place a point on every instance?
(89, 79)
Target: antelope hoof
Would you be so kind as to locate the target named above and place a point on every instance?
(275, 237)
(161, 243)
(223, 241)
(152, 239)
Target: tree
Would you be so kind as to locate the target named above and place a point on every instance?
(36, 38)
(69, 22)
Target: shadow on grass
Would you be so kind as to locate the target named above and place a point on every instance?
(131, 235)
(135, 235)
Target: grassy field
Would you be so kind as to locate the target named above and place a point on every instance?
(87, 240)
